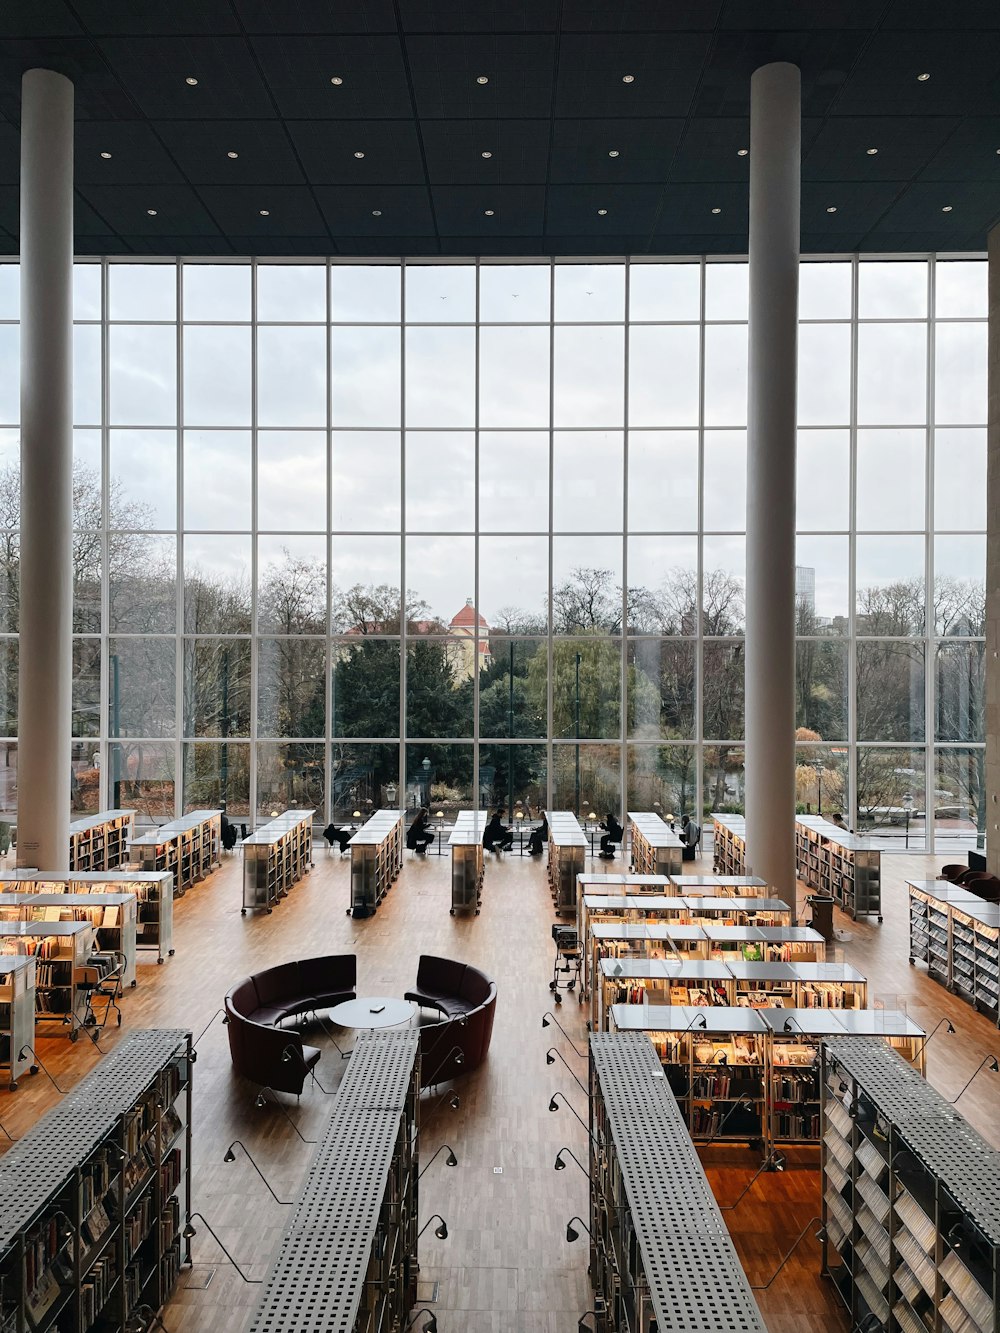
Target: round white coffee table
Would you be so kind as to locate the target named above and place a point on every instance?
(376, 1011)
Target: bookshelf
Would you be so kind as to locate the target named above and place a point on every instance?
(656, 848)
(721, 886)
(112, 915)
(638, 939)
(17, 1015)
(957, 935)
(348, 1256)
(467, 861)
(153, 892)
(275, 857)
(187, 847)
(96, 1194)
(61, 950)
(660, 1254)
(100, 842)
(840, 864)
(729, 845)
(911, 1197)
(567, 852)
(376, 860)
(765, 944)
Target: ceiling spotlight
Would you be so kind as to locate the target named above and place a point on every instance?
(832, 208)
(106, 156)
(336, 80)
(602, 212)
(359, 155)
(191, 82)
(871, 151)
(483, 78)
(488, 212)
(486, 154)
(716, 210)
(376, 212)
(628, 78)
(151, 212)
(743, 152)
(946, 209)
(613, 152)
(922, 78)
(232, 156)
(265, 212)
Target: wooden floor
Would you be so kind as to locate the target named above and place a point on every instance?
(506, 1266)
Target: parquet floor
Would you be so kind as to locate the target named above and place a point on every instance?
(506, 1266)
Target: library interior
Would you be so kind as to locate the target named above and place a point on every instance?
(499, 689)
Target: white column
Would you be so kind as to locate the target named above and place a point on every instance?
(993, 564)
(775, 171)
(46, 603)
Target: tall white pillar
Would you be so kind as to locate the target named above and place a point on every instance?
(46, 602)
(992, 775)
(775, 173)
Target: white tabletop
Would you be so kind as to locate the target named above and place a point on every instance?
(374, 1011)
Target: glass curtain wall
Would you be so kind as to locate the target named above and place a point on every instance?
(351, 535)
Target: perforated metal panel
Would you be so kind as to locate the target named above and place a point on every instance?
(317, 1279)
(42, 1159)
(696, 1281)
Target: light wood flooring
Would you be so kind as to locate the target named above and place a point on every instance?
(506, 1266)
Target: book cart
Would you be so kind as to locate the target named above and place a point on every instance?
(911, 1197)
(376, 860)
(656, 848)
(566, 855)
(467, 861)
(100, 842)
(112, 915)
(661, 1256)
(153, 892)
(61, 950)
(187, 847)
(94, 1198)
(839, 864)
(957, 935)
(17, 1015)
(348, 1256)
(275, 857)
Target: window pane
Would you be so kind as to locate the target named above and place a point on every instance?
(586, 688)
(88, 563)
(724, 780)
(512, 688)
(960, 585)
(290, 690)
(363, 778)
(586, 585)
(891, 796)
(440, 293)
(663, 585)
(364, 293)
(8, 686)
(959, 798)
(217, 479)
(824, 291)
(960, 688)
(821, 688)
(438, 776)
(86, 689)
(514, 582)
(142, 584)
(439, 577)
(514, 293)
(439, 686)
(892, 374)
(823, 602)
(588, 481)
(514, 481)
(365, 376)
(512, 778)
(821, 780)
(291, 377)
(824, 390)
(366, 686)
(217, 687)
(211, 398)
(891, 470)
(217, 585)
(727, 291)
(218, 292)
(143, 375)
(823, 478)
(291, 481)
(725, 481)
(293, 292)
(142, 779)
(291, 585)
(142, 291)
(663, 376)
(514, 377)
(86, 375)
(589, 376)
(890, 691)
(960, 289)
(141, 682)
(664, 291)
(663, 778)
(892, 290)
(661, 686)
(366, 480)
(726, 375)
(289, 777)
(723, 585)
(585, 778)
(365, 584)
(722, 706)
(217, 777)
(960, 479)
(440, 377)
(143, 470)
(440, 481)
(10, 291)
(890, 584)
(662, 481)
(586, 292)
(960, 373)
(10, 384)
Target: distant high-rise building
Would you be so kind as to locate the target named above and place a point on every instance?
(805, 587)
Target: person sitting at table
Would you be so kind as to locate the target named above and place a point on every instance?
(538, 836)
(418, 835)
(497, 837)
(334, 834)
(614, 833)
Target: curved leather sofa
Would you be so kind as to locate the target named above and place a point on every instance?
(256, 1006)
(466, 998)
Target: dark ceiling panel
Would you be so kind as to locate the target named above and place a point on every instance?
(640, 16)
(709, 151)
(298, 71)
(138, 157)
(666, 70)
(201, 148)
(905, 146)
(316, 16)
(155, 69)
(518, 210)
(581, 150)
(789, 15)
(401, 209)
(573, 210)
(98, 94)
(445, 70)
(327, 151)
(290, 209)
(932, 14)
(964, 69)
(859, 205)
(456, 16)
(30, 18)
(144, 18)
(454, 151)
(126, 208)
(824, 57)
(10, 154)
(971, 153)
(972, 206)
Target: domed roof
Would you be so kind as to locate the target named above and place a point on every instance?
(468, 616)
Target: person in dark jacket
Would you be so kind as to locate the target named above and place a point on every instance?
(614, 833)
(340, 835)
(690, 834)
(538, 836)
(497, 837)
(419, 836)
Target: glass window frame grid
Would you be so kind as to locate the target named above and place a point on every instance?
(928, 639)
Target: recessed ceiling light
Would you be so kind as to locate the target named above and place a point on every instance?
(265, 212)
(922, 78)
(602, 212)
(106, 156)
(628, 78)
(716, 210)
(871, 151)
(832, 208)
(151, 212)
(336, 80)
(234, 156)
(946, 209)
(613, 152)
(486, 154)
(376, 212)
(359, 155)
(483, 78)
(191, 82)
(742, 152)
(488, 212)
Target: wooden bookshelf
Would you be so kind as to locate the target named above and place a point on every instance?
(17, 1015)
(152, 890)
(275, 858)
(566, 855)
(112, 915)
(100, 842)
(97, 1193)
(722, 886)
(467, 861)
(957, 935)
(187, 847)
(348, 1256)
(656, 848)
(376, 860)
(839, 864)
(729, 845)
(61, 950)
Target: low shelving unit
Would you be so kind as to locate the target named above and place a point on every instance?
(61, 950)
(17, 1015)
(275, 857)
(840, 864)
(958, 936)
(656, 848)
(100, 842)
(188, 847)
(376, 860)
(112, 915)
(567, 852)
(467, 861)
